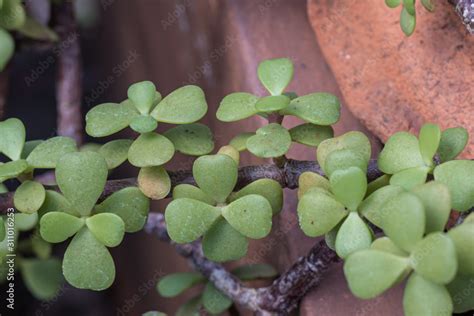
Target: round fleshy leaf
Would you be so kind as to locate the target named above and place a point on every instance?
(216, 175)
(344, 159)
(460, 290)
(40, 247)
(7, 48)
(272, 103)
(87, 264)
(115, 152)
(429, 138)
(130, 205)
(12, 15)
(188, 219)
(176, 283)
(272, 140)
(13, 138)
(463, 238)
(191, 139)
(142, 94)
(355, 141)
(410, 178)
(370, 272)
(12, 169)
(309, 180)
(29, 197)
(330, 237)
(150, 149)
(378, 183)
(310, 134)
(275, 74)
(182, 106)
(231, 152)
(214, 301)
(407, 22)
(255, 271)
(437, 202)
(192, 192)
(223, 243)
(251, 215)
(422, 297)
(318, 213)
(29, 146)
(435, 258)
(268, 188)
(154, 182)
(317, 108)
(57, 226)
(47, 154)
(458, 175)
(108, 228)
(56, 202)
(109, 118)
(237, 106)
(386, 245)
(90, 147)
(81, 177)
(42, 277)
(403, 220)
(371, 207)
(25, 222)
(239, 142)
(143, 124)
(353, 235)
(428, 5)
(392, 3)
(401, 151)
(452, 143)
(349, 186)
(192, 307)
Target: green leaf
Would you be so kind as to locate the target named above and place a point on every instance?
(29, 197)
(371, 207)
(255, 271)
(409, 5)
(12, 15)
(29, 146)
(429, 138)
(403, 220)
(182, 106)
(216, 175)
(458, 175)
(251, 215)
(407, 22)
(12, 169)
(239, 142)
(437, 202)
(349, 186)
(392, 3)
(56, 227)
(272, 103)
(191, 139)
(42, 277)
(452, 143)
(370, 272)
(353, 235)
(56, 202)
(115, 152)
(378, 183)
(35, 30)
(13, 138)
(142, 94)
(401, 151)
(174, 284)
(192, 192)
(423, 297)
(154, 313)
(317, 108)
(150, 149)
(330, 237)
(143, 124)
(108, 228)
(130, 205)
(272, 140)
(25, 222)
(463, 238)
(386, 245)
(231, 152)
(268, 188)
(435, 258)
(428, 5)
(109, 118)
(47, 154)
(237, 106)
(309, 180)
(188, 219)
(191, 307)
(87, 264)
(275, 74)
(355, 141)
(154, 182)
(41, 248)
(7, 48)
(214, 301)
(81, 177)
(410, 178)
(460, 290)
(310, 134)
(318, 213)
(223, 243)
(344, 159)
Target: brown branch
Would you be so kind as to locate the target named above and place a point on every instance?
(69, 75)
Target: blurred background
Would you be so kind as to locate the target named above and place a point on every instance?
(353, 49)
